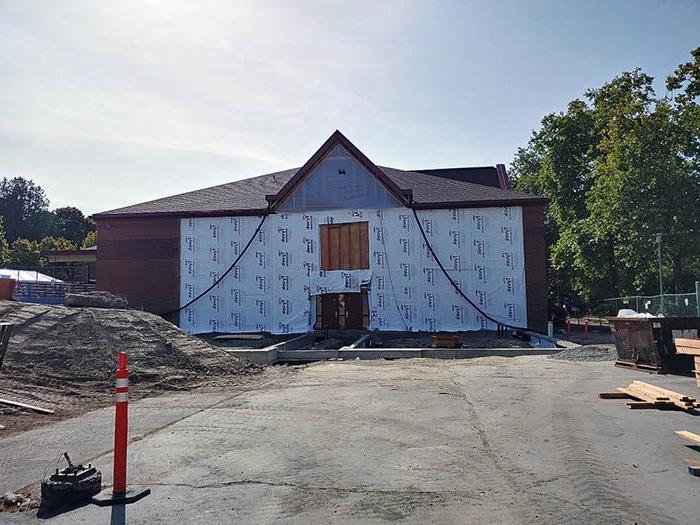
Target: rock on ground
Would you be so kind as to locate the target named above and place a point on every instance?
(97, 299)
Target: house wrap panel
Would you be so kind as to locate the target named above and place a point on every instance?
(271, 288)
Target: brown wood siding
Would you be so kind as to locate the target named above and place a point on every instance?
(345, 246)
(535, 267)
(139, 258)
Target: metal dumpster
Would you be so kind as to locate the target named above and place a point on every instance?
(646, 343)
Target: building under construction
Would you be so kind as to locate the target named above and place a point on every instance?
(339, 243)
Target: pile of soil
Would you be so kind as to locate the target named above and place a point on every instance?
(64, 358)
(587, 353)
(83, 343)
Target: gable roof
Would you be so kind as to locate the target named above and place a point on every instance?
(257, 195)
(337, 138)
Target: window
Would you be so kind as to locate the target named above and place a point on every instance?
(345, 246)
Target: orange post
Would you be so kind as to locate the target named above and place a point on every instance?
(585, 327)
(119, 494)
(121, 425)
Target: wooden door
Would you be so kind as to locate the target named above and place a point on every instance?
(329, 311)
(353, 311)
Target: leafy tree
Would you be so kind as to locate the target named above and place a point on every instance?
(619, 168)
(684, 85)
(55, 243)
(24, 254)
(24, 207)
(4, 247)
(90, 240)
(558, 163)
(71, 224)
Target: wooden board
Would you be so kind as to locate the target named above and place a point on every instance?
(613, 395)
(239, 337)
(648, 392)
(688, 435)
(642, 404)
(687, 346)
(656, 396)
(344, 246)
(24, 405)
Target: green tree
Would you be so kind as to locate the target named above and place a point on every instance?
(619, 168)
(24, 253)
(558, 163)
(4, 247)
(71, 224)
(24, 207)
(90, 240)
(684, 87)
(55, 243)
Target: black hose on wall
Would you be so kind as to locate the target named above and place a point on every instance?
(223, 275)
(453, 283)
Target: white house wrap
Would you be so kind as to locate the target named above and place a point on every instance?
(273, 285)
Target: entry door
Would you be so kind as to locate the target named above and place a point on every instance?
(329, 310)
(346, 311)
(353, 311)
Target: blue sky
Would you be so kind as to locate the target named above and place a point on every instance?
(106, 104)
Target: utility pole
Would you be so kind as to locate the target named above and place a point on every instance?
(661, 279)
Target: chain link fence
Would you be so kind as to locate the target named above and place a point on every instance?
(670, 305)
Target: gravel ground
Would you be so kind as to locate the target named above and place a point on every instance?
(587, 353)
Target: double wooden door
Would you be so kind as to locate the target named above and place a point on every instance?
(341, 311)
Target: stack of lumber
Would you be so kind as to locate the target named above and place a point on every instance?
(446, 340)
(651, 396)
(693, 463)
(690, 347)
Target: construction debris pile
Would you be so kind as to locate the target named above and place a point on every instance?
(83, 343)
(63, 358)
(587, 353)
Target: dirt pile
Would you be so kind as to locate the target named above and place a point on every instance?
(81, 344)
(587, 353)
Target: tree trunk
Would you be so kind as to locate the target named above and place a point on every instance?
(677, 275)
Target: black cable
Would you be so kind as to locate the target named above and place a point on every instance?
(454, 284)
(223, 276)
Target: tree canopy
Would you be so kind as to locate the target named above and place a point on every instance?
(620, 167)
(28, 228)
(24, 207)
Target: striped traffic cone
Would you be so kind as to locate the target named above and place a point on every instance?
(120, 493)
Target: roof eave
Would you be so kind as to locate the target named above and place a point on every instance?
(487, 203)
(180, 214)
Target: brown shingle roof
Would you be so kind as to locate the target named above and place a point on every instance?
(430, 191)
(247, 196)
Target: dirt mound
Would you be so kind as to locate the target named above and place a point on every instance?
(587, 353)
(77, 344)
